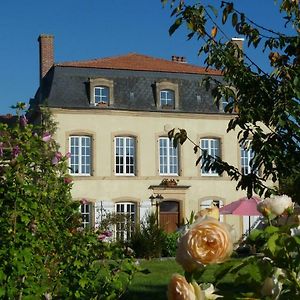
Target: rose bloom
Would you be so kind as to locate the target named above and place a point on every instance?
(180, 289)
(276, 205)
(208, 241)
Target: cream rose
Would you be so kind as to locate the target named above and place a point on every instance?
(276, 205)
(180, 289)
(207, 241)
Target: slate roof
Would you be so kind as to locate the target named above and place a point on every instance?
(139, 62)
(134, 76)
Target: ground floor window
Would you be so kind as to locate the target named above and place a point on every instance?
(126, 212)
(86, 215)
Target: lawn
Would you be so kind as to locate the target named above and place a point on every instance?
(152, 285)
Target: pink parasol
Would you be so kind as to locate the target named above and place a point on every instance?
(242, 207)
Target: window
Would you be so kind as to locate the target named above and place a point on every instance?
(86, 215)
(212, 146)
(247, 155)
(168, 157)
(80, 160)
(101, 94)
(167, 94)
(101, 91)
(209, 203)
(126, 221)
(125, 156)
(167, 98)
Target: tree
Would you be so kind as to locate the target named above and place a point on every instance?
(266, 105)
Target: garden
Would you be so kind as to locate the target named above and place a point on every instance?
(46, 254)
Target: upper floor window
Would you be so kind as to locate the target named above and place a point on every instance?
(247, 155)
(212, 146)
(167, 95)
(125, 149)
(168, 157)
(167, 99)
(101, 91)
(101, 94)
(80, 160)
(126, 221)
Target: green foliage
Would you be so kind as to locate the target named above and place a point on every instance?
(44, 252)
(265, 105)
(170, 244)
(148, 240)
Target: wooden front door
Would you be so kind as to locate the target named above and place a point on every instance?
(169, 215)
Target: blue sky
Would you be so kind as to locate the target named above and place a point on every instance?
(87, 29)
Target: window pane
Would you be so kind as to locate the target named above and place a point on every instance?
(80, 160)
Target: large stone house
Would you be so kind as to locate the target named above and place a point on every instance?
(113, 117)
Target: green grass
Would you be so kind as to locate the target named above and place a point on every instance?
(152, 285)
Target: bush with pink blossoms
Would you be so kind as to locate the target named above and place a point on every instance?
(43, 254)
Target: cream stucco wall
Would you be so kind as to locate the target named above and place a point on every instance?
(103, 125)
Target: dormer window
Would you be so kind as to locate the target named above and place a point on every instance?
(167, 99)
(167, 95)
(101, 94)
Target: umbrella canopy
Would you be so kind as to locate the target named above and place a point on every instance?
(242, 207)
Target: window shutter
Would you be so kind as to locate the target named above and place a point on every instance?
(145, 207)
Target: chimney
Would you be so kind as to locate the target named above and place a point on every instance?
(46, 53)
(180, 59)
(238, 41)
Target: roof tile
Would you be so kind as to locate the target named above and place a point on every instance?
(139, 62)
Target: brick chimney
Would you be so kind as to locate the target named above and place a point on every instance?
(46, 53)
(238, 41)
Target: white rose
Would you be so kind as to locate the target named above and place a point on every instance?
(275, 205)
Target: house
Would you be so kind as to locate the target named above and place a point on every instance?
(113, 117)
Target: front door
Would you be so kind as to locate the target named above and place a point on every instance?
(169, 215)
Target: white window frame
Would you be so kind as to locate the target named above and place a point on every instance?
(167, 98)
(102, 97)
(247, 155)
(165, 159)
(211, 150)
(124, 152)
(82, 157)
(86, 215)
(209, 203)
(123, 229)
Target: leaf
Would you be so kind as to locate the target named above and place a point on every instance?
(171, 133)
(234, 19)
(225, 15)
(214, 32)
(272, 243)
(175, 26)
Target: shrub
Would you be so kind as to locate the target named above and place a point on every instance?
(44, 253)
(170, 244)
(148, 240)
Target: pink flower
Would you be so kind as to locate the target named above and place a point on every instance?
(16, 151)
(57, 157)
(46, 137)
(1, 149)
(68, 180)
(84, 201)
(107, 233)
(23, 121)
(68, 155)
(101, 237)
